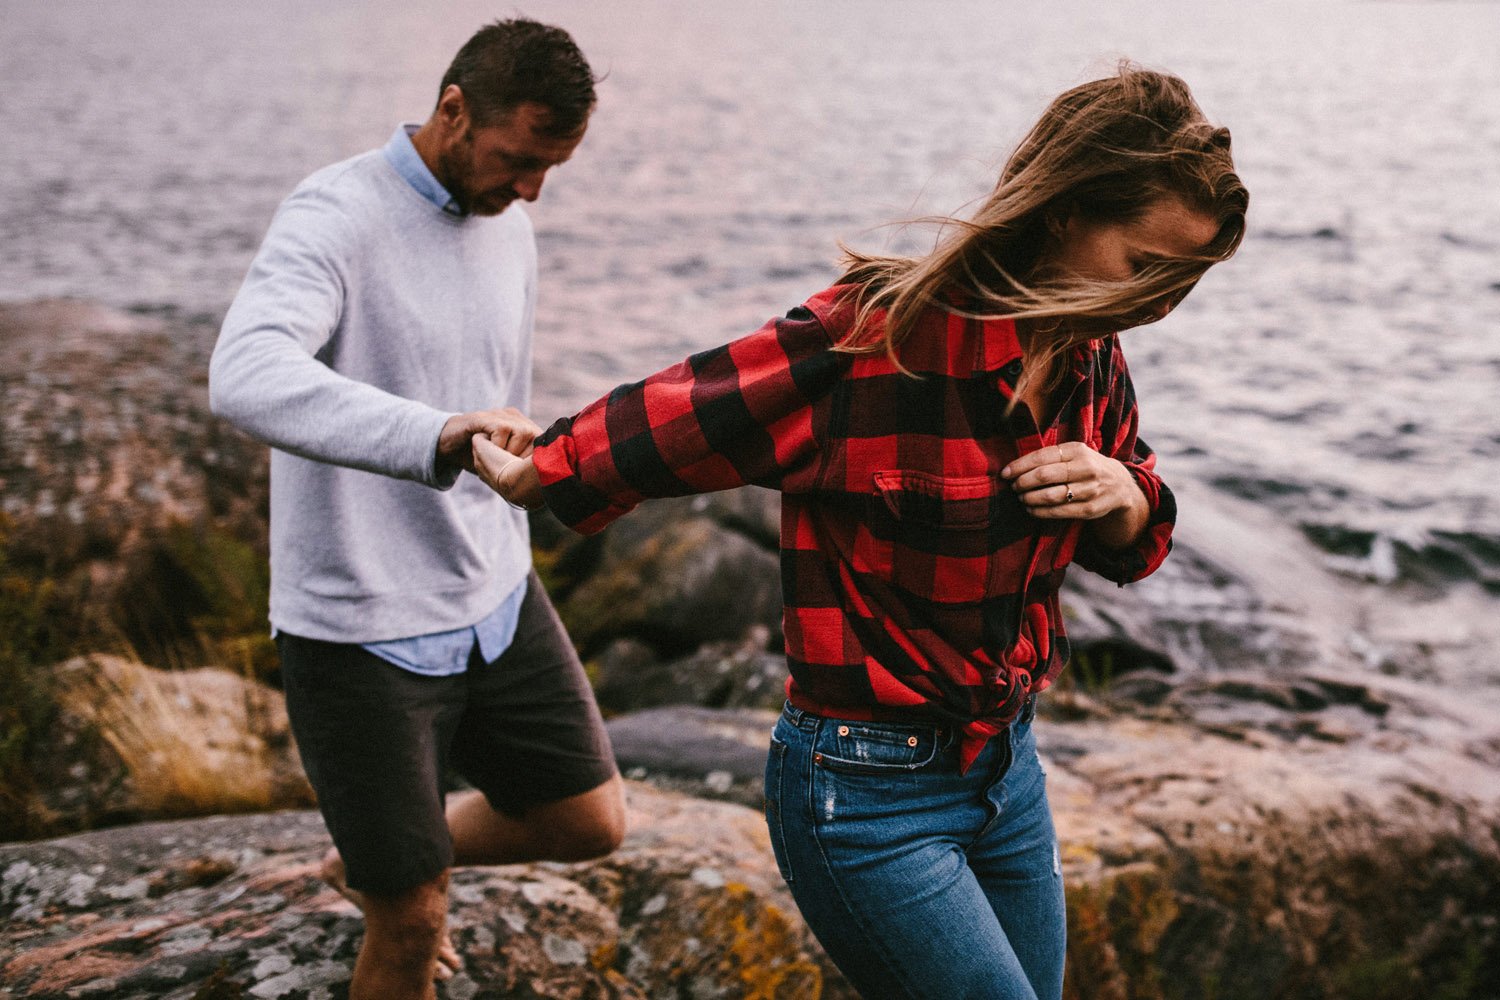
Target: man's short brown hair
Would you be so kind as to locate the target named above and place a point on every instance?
(518, 61)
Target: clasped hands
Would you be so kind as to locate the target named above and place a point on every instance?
(495, 445)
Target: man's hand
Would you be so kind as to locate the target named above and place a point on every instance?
(1073, 482)
(508, 428)
(514, 478)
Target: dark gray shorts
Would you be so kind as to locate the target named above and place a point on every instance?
(376, 741)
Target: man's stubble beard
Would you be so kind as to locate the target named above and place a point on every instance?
(455, 173)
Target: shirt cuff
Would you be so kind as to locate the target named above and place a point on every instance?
(1140, 559)
(439, 477)
(574, 502)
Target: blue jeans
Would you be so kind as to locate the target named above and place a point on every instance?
(918, 880)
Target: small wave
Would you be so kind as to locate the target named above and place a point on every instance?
(1322, 233)
(1259, 487)
(1434, 557)
(1263, 488)
(687, 267)
(1467, 242)
(1383, 447)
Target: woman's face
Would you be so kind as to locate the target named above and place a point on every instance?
(1117, 251)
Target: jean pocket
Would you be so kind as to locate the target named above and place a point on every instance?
(875, 747)
(776, 804)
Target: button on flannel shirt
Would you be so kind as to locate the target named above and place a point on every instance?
(916, 586)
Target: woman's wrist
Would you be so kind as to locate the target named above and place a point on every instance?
(521, 485)
(514, 478)
(1123, 525)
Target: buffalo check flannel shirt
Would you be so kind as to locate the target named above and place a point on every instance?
(916, 586)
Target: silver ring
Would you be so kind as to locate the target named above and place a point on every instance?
(1069, 497)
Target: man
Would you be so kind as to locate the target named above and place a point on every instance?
(386, 320)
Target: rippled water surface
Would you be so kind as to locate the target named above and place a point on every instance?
(1342, 372)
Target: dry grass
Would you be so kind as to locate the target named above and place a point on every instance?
(188, 740)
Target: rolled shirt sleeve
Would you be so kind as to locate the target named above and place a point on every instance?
(1119, 439)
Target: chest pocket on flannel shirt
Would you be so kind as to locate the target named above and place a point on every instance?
(947, 503)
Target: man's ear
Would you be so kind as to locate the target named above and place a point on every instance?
(453, 109)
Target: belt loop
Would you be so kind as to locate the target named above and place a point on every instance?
(804, 721)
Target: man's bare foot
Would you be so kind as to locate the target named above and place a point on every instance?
(331, 871)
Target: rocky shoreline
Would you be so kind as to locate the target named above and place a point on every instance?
(1251, 804)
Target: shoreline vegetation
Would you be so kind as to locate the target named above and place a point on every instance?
(1267, 820)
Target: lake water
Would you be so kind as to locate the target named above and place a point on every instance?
(1340, 376)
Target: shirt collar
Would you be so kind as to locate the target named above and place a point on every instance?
(999, 350)
(406, 161)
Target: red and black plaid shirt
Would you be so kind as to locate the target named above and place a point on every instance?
(915, 583)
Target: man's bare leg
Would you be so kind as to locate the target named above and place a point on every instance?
(400, 943)
(577, 828)
(398, 959)
(332, 872)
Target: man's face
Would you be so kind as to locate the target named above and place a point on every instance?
(487, 168)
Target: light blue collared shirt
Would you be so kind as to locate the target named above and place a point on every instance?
(443, 654)
(406, 161)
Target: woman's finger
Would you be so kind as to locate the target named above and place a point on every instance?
(1040, 478)
(489, 459)
(1059, 495)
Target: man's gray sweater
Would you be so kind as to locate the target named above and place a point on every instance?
(369, 317)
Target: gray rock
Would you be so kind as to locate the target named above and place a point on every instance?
(704, 752)
(675, 587)
(1297, 857)
(739, 674)
(645, 922)
(1282, 859)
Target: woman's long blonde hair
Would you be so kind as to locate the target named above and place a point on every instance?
(1104, 151)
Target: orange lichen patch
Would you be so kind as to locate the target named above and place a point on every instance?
(764, 952)
(300, 879)
(1093, 964)
(75, 971)
(63, 950)
(236, 922)
(605, 955)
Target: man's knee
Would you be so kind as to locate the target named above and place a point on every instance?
(588, 840)
(592, 827)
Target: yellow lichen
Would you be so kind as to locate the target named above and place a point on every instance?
(759, 946)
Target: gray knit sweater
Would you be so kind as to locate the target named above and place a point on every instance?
(369, 317)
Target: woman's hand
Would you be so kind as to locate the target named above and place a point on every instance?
(507, 427)
(515, 479)
(1073, 482)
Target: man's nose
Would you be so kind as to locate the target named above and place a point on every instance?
(528, 186)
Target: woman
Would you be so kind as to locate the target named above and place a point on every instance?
(949, 432)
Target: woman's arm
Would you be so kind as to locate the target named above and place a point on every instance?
(743, 413)
(1128, 512)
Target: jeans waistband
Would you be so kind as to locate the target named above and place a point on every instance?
(808, 721)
